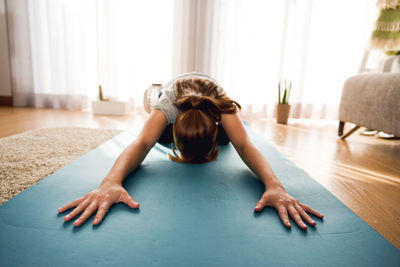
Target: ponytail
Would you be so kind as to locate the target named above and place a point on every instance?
(213, 107)
(195, 129)
(200, 94)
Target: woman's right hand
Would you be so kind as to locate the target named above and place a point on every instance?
(100, 200)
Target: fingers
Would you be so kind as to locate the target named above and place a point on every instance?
(311, 211)
(284, 216)
(82, 206)
(101, 200)
(87, 213)
(287, 206)
(304, 215)
(128, 200)
(101, 212)
(70, 205)
(296, 217)
(261, 204)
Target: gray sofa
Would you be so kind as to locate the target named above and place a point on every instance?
(372, 100)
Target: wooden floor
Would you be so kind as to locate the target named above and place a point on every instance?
(363, 172)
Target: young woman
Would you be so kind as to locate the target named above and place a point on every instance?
(196, 115)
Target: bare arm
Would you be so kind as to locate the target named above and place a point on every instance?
(111, 191)
(247, 151)
(136, 152)
(275, 195)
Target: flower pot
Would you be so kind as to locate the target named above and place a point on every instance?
(151, 96)
(282, 113)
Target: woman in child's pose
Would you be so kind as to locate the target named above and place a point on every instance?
(203, 117)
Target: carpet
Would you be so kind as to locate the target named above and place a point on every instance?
(29, 157)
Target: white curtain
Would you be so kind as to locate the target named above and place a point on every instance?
(134, 46)
(62, 50)
(250, 45)
(337, 38)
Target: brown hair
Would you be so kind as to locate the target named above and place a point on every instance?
(195, 129)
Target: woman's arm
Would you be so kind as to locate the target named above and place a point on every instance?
(275, 195)
(111, 191)
(136, 152)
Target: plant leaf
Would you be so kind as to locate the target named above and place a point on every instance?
(284, 101)
(279, 92)
(290, 89)
(100, 93)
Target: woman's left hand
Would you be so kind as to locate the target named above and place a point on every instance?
(287, 205)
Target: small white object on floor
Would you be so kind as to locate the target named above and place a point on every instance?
(111, 107)
(385, 135)
(369, 132)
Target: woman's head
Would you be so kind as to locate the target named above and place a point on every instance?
(196, 127)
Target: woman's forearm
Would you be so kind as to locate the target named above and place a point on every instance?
(135, 153)
(128, 161)
(259, 165)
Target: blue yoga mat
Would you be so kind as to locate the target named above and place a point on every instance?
(190, 215)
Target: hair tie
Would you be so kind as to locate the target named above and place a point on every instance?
(195, 107)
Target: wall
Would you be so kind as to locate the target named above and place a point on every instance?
(5, 76)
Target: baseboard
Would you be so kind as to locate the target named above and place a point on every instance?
(6, 101)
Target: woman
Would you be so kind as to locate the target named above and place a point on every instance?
(202, 117)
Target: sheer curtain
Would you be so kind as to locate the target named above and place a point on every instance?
(338, 36)
(247, 50)
(316, 44)
(134, 46)
(52, 52)
(61, 50)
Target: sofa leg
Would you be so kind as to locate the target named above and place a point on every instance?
(340, 129)
(355, 128)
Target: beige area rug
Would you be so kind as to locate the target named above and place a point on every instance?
(29, 157)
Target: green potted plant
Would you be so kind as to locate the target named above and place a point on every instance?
(283, 107)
